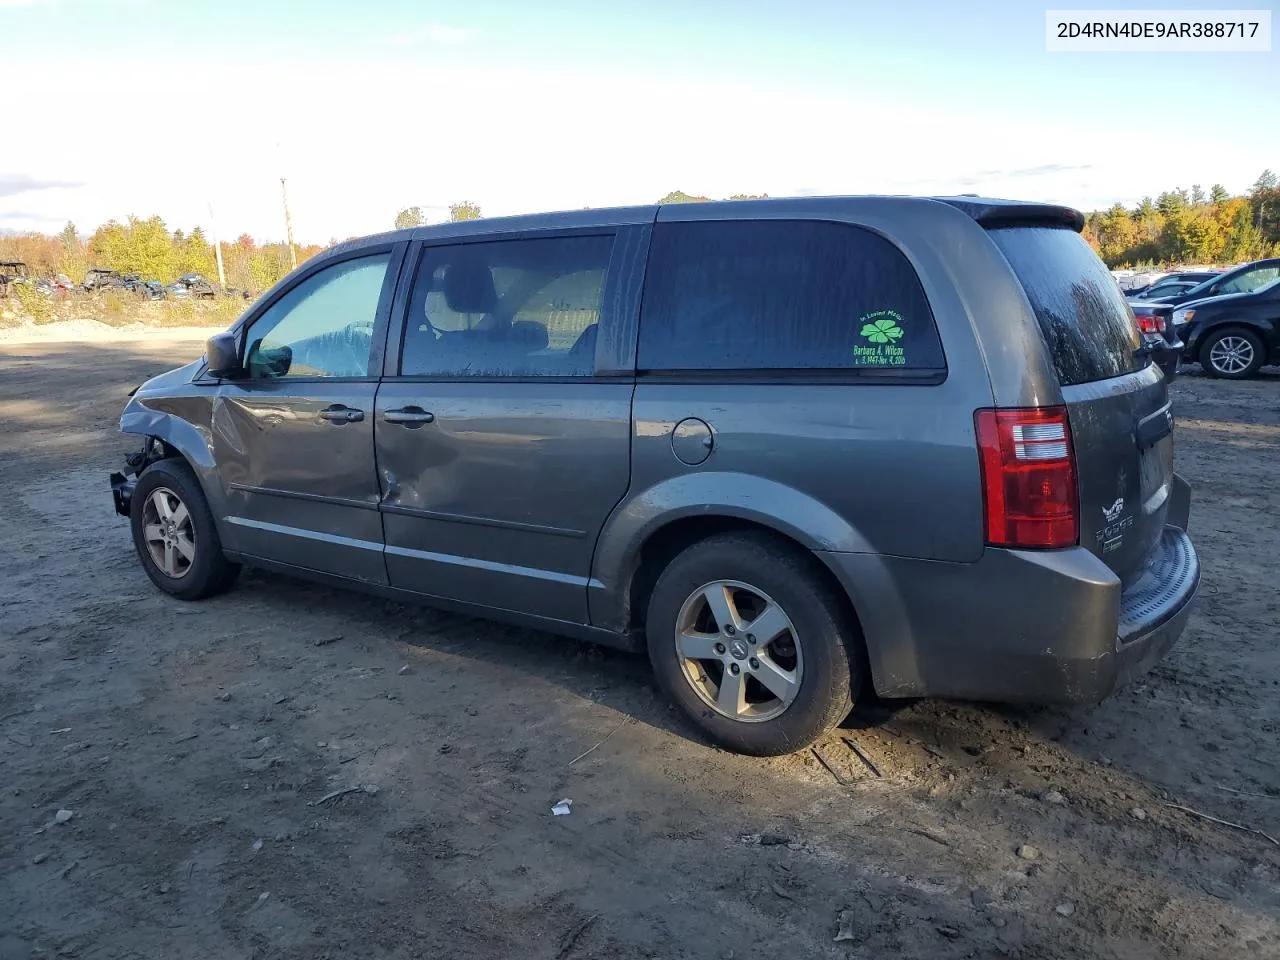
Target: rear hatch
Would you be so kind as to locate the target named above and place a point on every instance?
(1117, 401)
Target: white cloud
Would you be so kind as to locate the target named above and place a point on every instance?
(433, 33)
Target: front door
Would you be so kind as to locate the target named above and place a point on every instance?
(294, 438)
(501, 450)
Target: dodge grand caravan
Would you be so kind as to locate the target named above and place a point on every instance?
(794, 449)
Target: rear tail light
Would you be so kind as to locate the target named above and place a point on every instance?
(1150, 323)
(1028, 477)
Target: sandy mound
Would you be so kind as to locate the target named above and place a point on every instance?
(92, 331)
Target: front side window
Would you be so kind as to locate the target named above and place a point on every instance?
(323, 327)
(509, 308)
(782, 295)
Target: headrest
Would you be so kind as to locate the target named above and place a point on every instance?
(468, 287)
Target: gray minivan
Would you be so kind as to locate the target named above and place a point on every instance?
(796, 449)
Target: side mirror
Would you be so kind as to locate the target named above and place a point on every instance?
(222, 357)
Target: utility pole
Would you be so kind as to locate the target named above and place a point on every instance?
(217, 250)
(288, 225)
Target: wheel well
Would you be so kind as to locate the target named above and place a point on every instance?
(1232, 327)
(1228, 327)
(665, 543)
(153, 449)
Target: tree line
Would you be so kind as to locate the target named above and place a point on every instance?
(1178, 226)
(149, 248)
(1190, 226)
(414, 217)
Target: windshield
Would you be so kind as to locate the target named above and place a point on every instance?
(1250, 280)
(1164, 290)
(1244, 280)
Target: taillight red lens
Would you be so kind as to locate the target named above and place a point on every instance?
(1149, 323)
(1028, 477)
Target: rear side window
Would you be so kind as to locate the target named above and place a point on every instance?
(1086, 322)
(782, 295)
(509, 308)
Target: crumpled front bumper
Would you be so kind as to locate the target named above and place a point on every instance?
(122, 492)
(122, 483)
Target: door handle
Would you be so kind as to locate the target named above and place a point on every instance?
(409, 416)
(340, 414)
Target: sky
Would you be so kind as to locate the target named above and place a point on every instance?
(195, 109)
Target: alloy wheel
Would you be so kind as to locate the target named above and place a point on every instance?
(168, 533)
(739, 651)
(1231, 355)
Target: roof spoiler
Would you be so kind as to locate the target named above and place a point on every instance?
(1015, 213)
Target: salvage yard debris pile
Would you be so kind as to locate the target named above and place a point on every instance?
(150, 249)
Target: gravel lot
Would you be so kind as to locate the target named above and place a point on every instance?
(194, 747)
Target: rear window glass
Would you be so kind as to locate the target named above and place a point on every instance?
(1083, 315)
(782, 295)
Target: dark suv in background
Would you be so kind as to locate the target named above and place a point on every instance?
(794, 449)
(1232, 336)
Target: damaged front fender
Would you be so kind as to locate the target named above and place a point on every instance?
(171, 414)
(181, 423)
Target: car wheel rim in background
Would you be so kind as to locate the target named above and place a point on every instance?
(1231, 355)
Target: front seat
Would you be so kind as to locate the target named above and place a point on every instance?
(466, 286)
(582, 355)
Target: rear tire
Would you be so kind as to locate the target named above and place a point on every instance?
(174, 533)
(765, 691)
(1233, 354)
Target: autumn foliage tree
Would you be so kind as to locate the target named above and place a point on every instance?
(463, 210)
(146, 246)
(410, 217)
(40, 253)
(1188, 226)
(679, 196)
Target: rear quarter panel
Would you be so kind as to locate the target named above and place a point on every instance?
(844, 467)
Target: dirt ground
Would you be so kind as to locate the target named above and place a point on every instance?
(197, 749)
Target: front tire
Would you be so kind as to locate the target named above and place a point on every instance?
(1234, 354)
(752, 645)
(174, 533)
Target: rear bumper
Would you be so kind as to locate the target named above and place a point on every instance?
(1166, 352)
(1019, 626)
